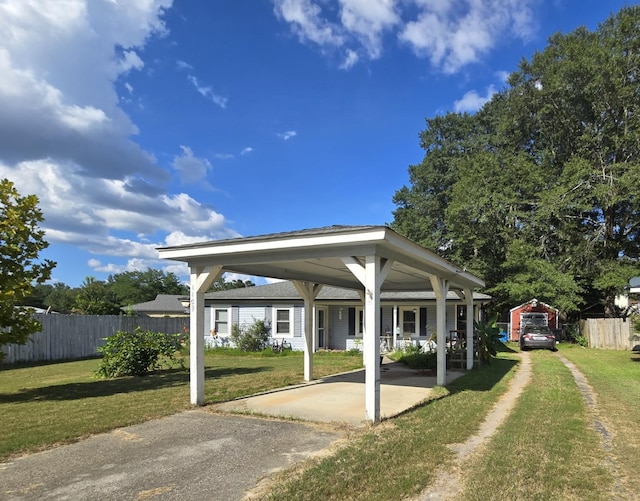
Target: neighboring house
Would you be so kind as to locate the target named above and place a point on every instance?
(339, 315)
(164, 305)
(628, 302)
(533, 312)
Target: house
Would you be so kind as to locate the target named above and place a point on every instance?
(164, 305)
(628, 302)
(338, 318)
(532, 312)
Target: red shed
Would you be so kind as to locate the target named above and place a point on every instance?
(534, 312)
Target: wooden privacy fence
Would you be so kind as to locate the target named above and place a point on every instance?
(70, 337)
(609, 333)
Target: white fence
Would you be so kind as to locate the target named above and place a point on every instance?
(70, 337)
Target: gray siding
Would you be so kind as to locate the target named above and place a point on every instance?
(249, 314)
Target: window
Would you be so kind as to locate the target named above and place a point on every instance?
(282, 322)
(409, 322)
(221, 322)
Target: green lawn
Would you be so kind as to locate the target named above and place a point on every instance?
(546, 449)
(615, 377)
(399, 457)
(42, 405)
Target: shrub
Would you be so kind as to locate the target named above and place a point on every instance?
(253, 337)
(414, 357)
(138, 353)
(488, 339)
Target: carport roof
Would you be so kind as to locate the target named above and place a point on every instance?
(320, 255)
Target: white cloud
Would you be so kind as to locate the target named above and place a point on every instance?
(472, 101)
(47, 110)
(109, 217)
(182, 65)
(287, 135)
(367, 20)
(190, 168)
(246, 151)
(452, 35)
(503, 76)
(449, 34)
(350, 59)
(207, 92)
(64, 137)
(305, 18)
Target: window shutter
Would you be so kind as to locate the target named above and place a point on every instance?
(352, 322)
(423, 321)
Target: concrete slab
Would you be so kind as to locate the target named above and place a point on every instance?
(340, 399)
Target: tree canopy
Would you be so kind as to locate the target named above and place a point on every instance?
(98, 297)
(538, 192)
(21, 241)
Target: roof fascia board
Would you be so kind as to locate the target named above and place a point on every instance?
(289, 245)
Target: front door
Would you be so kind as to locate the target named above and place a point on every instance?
(321, 328)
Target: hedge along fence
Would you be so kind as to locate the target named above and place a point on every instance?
(609, 333)
(72, 337)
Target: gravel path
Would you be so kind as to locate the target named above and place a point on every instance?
(449, 483)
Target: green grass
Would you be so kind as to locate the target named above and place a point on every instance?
(46, 404)
(397, 458)
(547, 448)
(615, 377)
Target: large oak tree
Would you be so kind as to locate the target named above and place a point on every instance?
(539, 192)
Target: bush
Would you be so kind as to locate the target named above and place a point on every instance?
(488, 339)
(138, 353)
(253, 337)
(414, 357)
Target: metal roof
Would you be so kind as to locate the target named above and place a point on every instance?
(318, 255)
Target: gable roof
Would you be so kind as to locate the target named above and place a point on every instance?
(328, 256)
(163, 303)
(285, 291)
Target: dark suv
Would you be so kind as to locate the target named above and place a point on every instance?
(537, 336)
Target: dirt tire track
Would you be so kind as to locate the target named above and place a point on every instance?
(450, 483)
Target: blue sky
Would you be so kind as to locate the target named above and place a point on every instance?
(147, 123)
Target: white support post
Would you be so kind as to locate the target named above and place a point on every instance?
(372, 276)
(469, 297)
(201, 279)
(309, 291)
(372, 339)
(441, 289)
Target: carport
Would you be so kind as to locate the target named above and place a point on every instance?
(369, 259)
